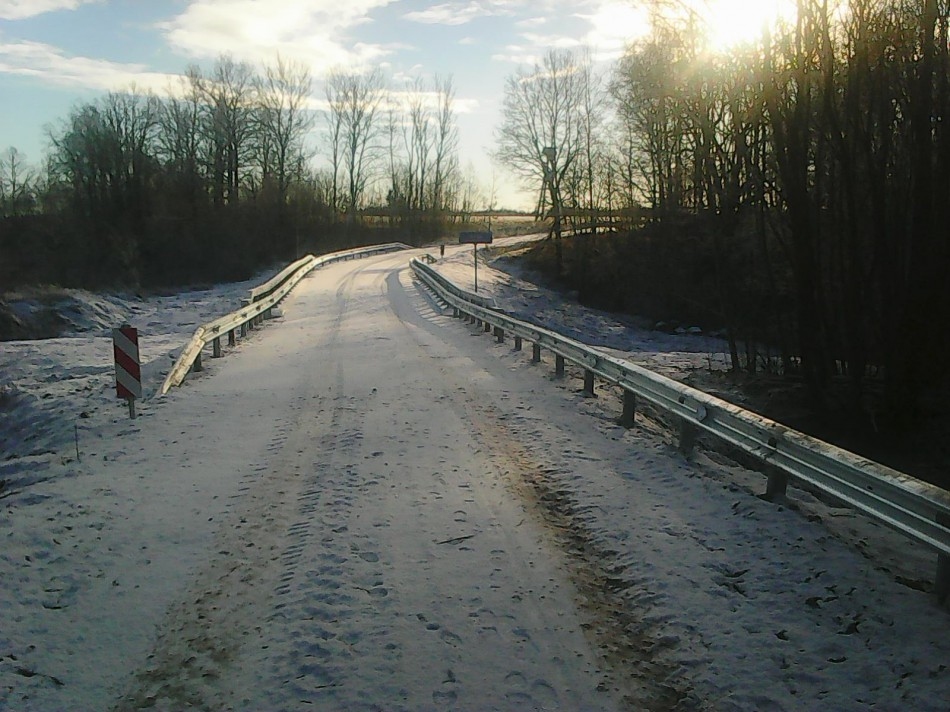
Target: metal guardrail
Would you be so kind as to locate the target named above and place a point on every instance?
(262, 300)
(275, 282)
(911, 506)
(471, 297)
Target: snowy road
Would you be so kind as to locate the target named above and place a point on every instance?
(369, 505)
(378, 555)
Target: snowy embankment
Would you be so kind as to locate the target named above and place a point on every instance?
(51, 389)
(369, 505)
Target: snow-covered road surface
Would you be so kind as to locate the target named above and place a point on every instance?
(377, 557)
(370, 505)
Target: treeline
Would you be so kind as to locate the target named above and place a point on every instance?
(217, 177)
(797, 190)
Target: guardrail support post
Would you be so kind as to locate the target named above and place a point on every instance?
(517, 343)
(455, 312)
(588, 383)
(267, 314)
(688, 433)
(777, 485)
(487, 327)
(231, 338)
(536, 353)
(243, 329)
(558, 365)
(216, 347)
(942, 579)
(499, 335)
(196, 366)
(629, 415)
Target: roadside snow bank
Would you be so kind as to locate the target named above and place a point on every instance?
(52, 389)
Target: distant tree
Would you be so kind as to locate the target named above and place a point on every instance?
(283, 121)
(418, 137)
(354, 102)
(647, 87)
(470, 196)
(445, 148)
(180, 141)
(17, 183)
(396, 196)
(105, 153)
(334, 142)
(542, 128)
(228, 96)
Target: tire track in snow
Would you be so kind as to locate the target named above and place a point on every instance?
(221, 615)
(634, 669)
(375, 611)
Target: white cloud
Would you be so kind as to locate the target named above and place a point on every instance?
(515, 54)
(460, 12)
(614, 25)
(532, 22)
(449, 13)
(22, 9)
(535, 47)
(311, 31)
(611, 26)
(429, 98)
(551, 41)
(48, 64)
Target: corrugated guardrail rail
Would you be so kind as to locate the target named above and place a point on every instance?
(918, 509)
(257, 307)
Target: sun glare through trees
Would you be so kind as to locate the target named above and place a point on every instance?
(733, 22)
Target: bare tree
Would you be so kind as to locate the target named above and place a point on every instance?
(647, 87)
(229, 100)
(179, 142)
(418, 139)
(334, 140)
(445, 162)
(541, 133)
(354, 102)
(283, 121)
(396, 196)
(105, 153)
(17, 182)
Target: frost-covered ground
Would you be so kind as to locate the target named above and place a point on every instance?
(370, 505)
(50, 387)
(674, 355)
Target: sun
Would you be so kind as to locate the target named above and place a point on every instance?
(729, 23)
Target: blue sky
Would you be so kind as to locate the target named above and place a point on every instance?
(57, 53)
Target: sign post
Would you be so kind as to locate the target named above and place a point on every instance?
(128, 372)
(475, 238)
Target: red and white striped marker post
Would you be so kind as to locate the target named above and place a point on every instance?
(128, 373)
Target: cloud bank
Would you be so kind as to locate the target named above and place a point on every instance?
(51, 65)
(23, 9)
(315, 32)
